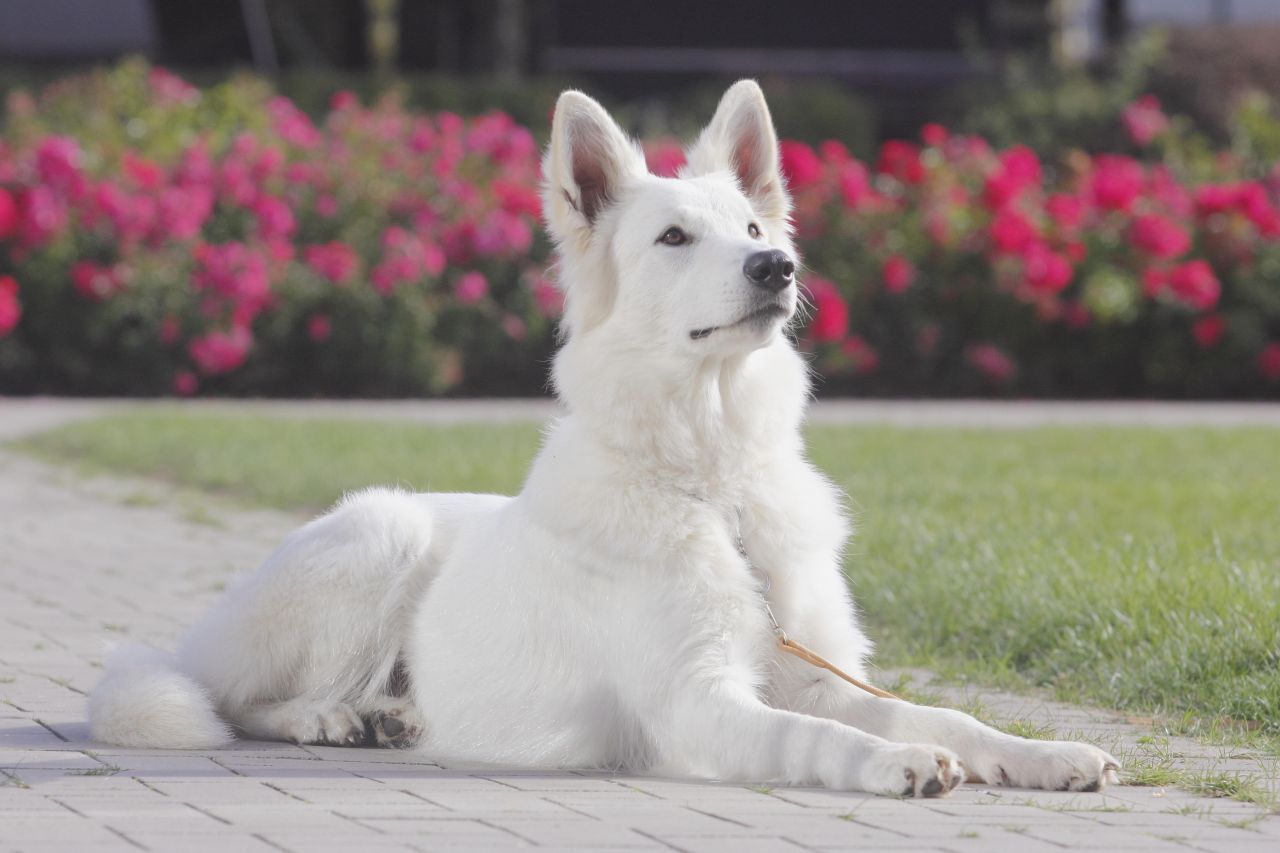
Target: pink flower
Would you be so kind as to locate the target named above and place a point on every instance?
(864, 357)
(8, 214)
(1144, 120)
(471, 288)
(1010, 232)
(897, 273)
(855, 185)
(1269, 361)
(10, 307)
(547, 297)
(319, 327)
(664, 158)
(830, 314)
(1117, 182)
(145, 174)
(96, 282)
(1017, 171)
(518, 198)
(901, 160)
(343, 100)
(1066, 211)
(43, 215)
(185, 383)
(514, 327)
(220, 352)
(1045, 271)
(1159, 237)
(58, 162)
(1208, 330)
(934, 135)
(275, 219)
(168, 88)
(334, 260)
(1195, 285)
(235, 273)
(991, 362)
(800, 165)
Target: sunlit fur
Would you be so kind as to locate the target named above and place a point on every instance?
(604, 617)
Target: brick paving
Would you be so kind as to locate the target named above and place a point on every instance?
(87, 560)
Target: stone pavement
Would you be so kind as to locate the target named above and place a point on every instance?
(86, 561)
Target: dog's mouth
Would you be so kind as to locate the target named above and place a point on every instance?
(763, 314)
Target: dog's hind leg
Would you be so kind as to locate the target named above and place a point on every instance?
(302, 649)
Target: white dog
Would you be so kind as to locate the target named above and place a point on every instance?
(617, 612)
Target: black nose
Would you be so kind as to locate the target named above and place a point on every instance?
(771, 270)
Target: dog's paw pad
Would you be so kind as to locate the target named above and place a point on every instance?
(398, 726)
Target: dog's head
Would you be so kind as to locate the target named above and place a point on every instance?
(701, 264)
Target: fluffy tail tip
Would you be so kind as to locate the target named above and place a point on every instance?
(144, 701)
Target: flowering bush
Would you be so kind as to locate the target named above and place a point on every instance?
(155, 239)
(964, 270)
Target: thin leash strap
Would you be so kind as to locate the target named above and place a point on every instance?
(789, 645)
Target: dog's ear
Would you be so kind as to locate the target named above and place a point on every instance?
(587, 161)
(741, 138)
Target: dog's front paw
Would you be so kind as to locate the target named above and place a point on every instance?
(397, 725)
(911, 770)
(1050, 765)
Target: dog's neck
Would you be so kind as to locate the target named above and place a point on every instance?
(705, 423)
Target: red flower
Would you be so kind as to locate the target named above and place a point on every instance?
(185, 383)
(991, 362)
(1195, 285)
(1017, 171)
(800, 165)
(1117, 182)
(1010, 232)
(8, 214)
(901, 160)
(319, 327)
(664, 158)
(1159, 237)
(897, 274)
(1208, 330)
(1269, 361)
(831, 314)
(1144, 120)
(10, 308)
(934, 135)
(1045, 271)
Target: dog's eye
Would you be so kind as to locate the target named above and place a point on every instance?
(673, 236)
(754, 230)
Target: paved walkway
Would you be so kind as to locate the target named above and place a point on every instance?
(87, 561)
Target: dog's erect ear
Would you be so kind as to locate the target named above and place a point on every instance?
(588, 159)
(741, 138)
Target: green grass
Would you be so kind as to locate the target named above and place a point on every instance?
(1135, 568)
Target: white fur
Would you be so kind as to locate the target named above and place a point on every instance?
(604, 617)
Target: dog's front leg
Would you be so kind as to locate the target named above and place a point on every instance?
(988, 755)
(722, 730)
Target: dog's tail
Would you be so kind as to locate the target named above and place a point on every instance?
(145, 701)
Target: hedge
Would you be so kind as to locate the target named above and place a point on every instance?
(157, 238)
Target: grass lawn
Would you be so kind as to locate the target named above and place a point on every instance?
(1133, 568)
